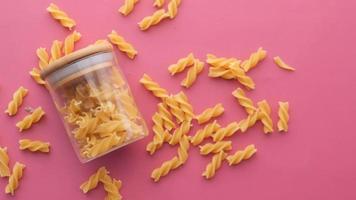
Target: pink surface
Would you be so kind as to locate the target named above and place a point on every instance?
(314, 160)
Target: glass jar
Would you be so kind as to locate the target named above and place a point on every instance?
(94, 101)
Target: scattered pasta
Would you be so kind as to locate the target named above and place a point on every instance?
(128, 6)
(123, 46)
(183, 149)
(244, 101)
(56, 50)
(280, 63)
(193, 73)
(241, 76)
(239, 156)
(173, 8)
(226, 131)
(34, 145)
(215, 147)
(43, 58)
(154, 87)
(69, 42)
(283, 116)
(185, 105)
(206, 132)
(30, 119)
(111, 186)
(93, 180)
(154, 19)
(254, 59)
(175, 109)
(17, 99)
(215, 72)
(264, 116)
(36, 76)
(210, 113)
(182, 130)
(219, 62)
(160, 135)
(166, 116)
(14, 178)
(182, 64)
(165, 168)
(214, 165)
(61, 16)
(249, 121)
(158, 3)
(4, 163)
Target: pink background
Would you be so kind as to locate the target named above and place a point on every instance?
(314, 160)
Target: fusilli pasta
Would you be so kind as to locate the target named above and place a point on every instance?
(111, 186)
(36, 76)
(154, 87)
(182, 64)
(17, 99)
(165, 168)
(244, 101)
(160, 135)
(206, 132)
(175, 109)
(220, 72)
(264, 116)
(226, 131)
(173, 8)
(283, 116)
(254, 59)
(241, 76)
(241, 155)
(56, 50)
(219, 62)
(185, 105)
(158, 3)
(193, 73)
(214, 165)
(61, 16)
(210, 113)
(34, 145)
(249, 121)
(215, 147)
(43, 58)
(122, 44)
(14, 178)
(280, 63)
(182, 130)
(30, 119)
(128, 6)
(4, 162)
(183, 149)
(154, 19)
(93, 180)
(69, 42)
(166, 116)
(103, 145)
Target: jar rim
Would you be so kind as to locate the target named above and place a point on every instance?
(76, 55)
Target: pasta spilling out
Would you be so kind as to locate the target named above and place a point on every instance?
(61, 16)
(281, 64)
(122, 44)
(14, 178)
(69, 42)
(30, 119)
(17, 99)
(34, 145)
(127, 7)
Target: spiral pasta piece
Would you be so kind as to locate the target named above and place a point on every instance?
(206, 132)
(241, 76)
(182, 64)
(165, 168)
(215, 147)
(158, 3)
(128, 6)
(264, 116)
(193, 73)
(175, 109)
(173, 8)
(129, 104)
(43, 58)
(69, 42)
(17, 99)
(214, 165)
(61, 16)
(30, 119)
(106, 144)
(183, 149)
(185, 105)
(14, 179)
(93, 180)
(4, 163)
(153, 87)
(241, 155)
(244, 101)
(219, 62)
(111, 186)
(226, 131)
(34, 145)
(56, 50)
(154, 19)
(182, 130)
(88, 124)
(215, 72)
(36, 76)
(254, 59)
(210, 113)
(160, 135)
(249, 121)
(122, 44)
(166, 116)
(283, 116)
(281, 64)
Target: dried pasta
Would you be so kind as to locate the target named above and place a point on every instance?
(61, 16)
(36, 76)
(175, 109)
(160, 135)
(56, 50)
(182, 64)
(30, 119)
(4, 163)
(226, 131)
(206, 132)
(214, 165)
(210, 113)
(215, 72)
(173, 8)
(105, 144)
(166, 116)
(93, 180)
(283, 116)
(241, 155)
(254, 59)
(185, 105)
(244, 101)
(193, 73)
(43, 58)
(17, 99)
(241, 76)
(154, 87)
(69, 42)
(281, 64)
(182, 130)
(14, 178)
(34, 145)
(122, 44)
(111, 186)
(215, 147)
(183, 149)
(264, 116)
(128, 6)
(249, 121)
(219, 62)
(158, 3)
(154, 19)
(165, 168)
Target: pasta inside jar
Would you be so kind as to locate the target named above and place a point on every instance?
(95, 101)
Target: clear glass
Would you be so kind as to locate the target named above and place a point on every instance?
(97, 108)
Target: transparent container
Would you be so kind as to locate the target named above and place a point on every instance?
(94, 101)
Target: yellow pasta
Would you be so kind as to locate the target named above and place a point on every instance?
(56, 50)
(283, 116)
(220, 72)
(104, 129)
(154, 19)
(214, 165)
(158, 3)
(166, 116)
(249, 121)
(182, 130)
(182, 64)
(34, 145)
(61, 16)
(154, 87)
(122, 44)
(264, 116)
(129, 104)
(215, 147)
(183, 149)
(173, 8)
(69, 42)
(30, 119)
(244, 101)
(226, 131)
(165, 168)
(111, 186)
(210, 113)
(14, 178)
(36, 76)
(128, 6)
(185, 105)
(17, 99)
(175, 109)
(4, 162)
(254, 59)
(160, 135)
(239, 156)
(105, 144)
(93, 180)
(43, 58)
(193, 73)
(88, 124)
(206, 132)
(280, 63)
(241, 76)
(219, 62)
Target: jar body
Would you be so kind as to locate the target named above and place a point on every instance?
(96, 106)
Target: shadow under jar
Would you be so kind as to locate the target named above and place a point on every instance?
(94, 101)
